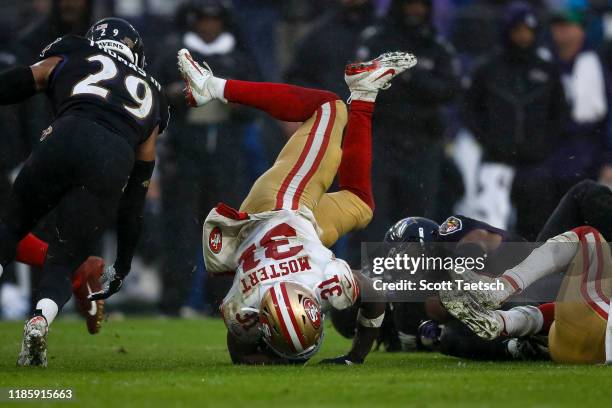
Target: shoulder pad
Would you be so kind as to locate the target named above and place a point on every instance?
(63, 45)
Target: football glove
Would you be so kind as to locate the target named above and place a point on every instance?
(341, 360)
(111, 283)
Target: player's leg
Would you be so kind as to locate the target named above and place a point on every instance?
(581, 309)
(37, 189)
(352, 207)
(100, 166)
(307, 165)
(32, 251)
(586, 203)
(556, 255)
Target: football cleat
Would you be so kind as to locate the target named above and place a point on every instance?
(485, 323)
(365, 79)
(34, 344)
(197, 79)
(489, 299)
(86, 282)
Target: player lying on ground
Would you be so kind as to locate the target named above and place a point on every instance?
(578, 323)
(404, 328)
(93, 162)
(277, 243)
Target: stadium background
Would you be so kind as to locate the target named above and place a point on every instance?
(436, 152)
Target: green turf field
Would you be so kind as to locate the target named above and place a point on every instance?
(157, 362)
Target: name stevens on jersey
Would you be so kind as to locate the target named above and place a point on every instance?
(126, 63)
(273, 271)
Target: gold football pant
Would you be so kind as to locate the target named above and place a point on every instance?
(304, 171)
(581, 310)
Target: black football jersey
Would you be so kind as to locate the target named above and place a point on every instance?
(507, 255)
(105, 87)
(458, 226)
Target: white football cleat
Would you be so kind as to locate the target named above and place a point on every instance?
(485, 323)
(489, 299)
(365, 79)
(34, 344)
(197, 79)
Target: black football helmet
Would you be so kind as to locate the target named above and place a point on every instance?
(412, 229)
(120, 36)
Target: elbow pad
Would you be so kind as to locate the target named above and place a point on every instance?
(16, 85)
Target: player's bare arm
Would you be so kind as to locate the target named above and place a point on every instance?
(369, 320)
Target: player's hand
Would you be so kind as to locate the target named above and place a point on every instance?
(111, 283)
(341, 360)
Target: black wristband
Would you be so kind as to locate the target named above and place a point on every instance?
(16, 85)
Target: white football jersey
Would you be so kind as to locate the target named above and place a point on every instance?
(267, 248)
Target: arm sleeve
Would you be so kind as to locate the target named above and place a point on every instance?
(129, 215)
(16, 85)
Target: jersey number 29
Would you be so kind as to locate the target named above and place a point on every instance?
(138, 88)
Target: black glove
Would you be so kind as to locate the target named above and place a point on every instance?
(111, 283)
(342, 360)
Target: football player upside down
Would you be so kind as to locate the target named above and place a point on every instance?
(276, 244)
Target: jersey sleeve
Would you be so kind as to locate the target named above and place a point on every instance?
(61, 46)
(339, 290)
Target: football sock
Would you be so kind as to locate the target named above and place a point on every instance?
(554, 255)
(216, 86)
(48, 309)
(355, 171)
(521, 321)
(284, 102)
(548, 314)
(32, 251)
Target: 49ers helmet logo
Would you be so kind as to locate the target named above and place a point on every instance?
(215, 240)
(312, 311)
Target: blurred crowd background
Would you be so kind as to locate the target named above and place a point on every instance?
(507, 108)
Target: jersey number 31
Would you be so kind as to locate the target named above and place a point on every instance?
(138, 88)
